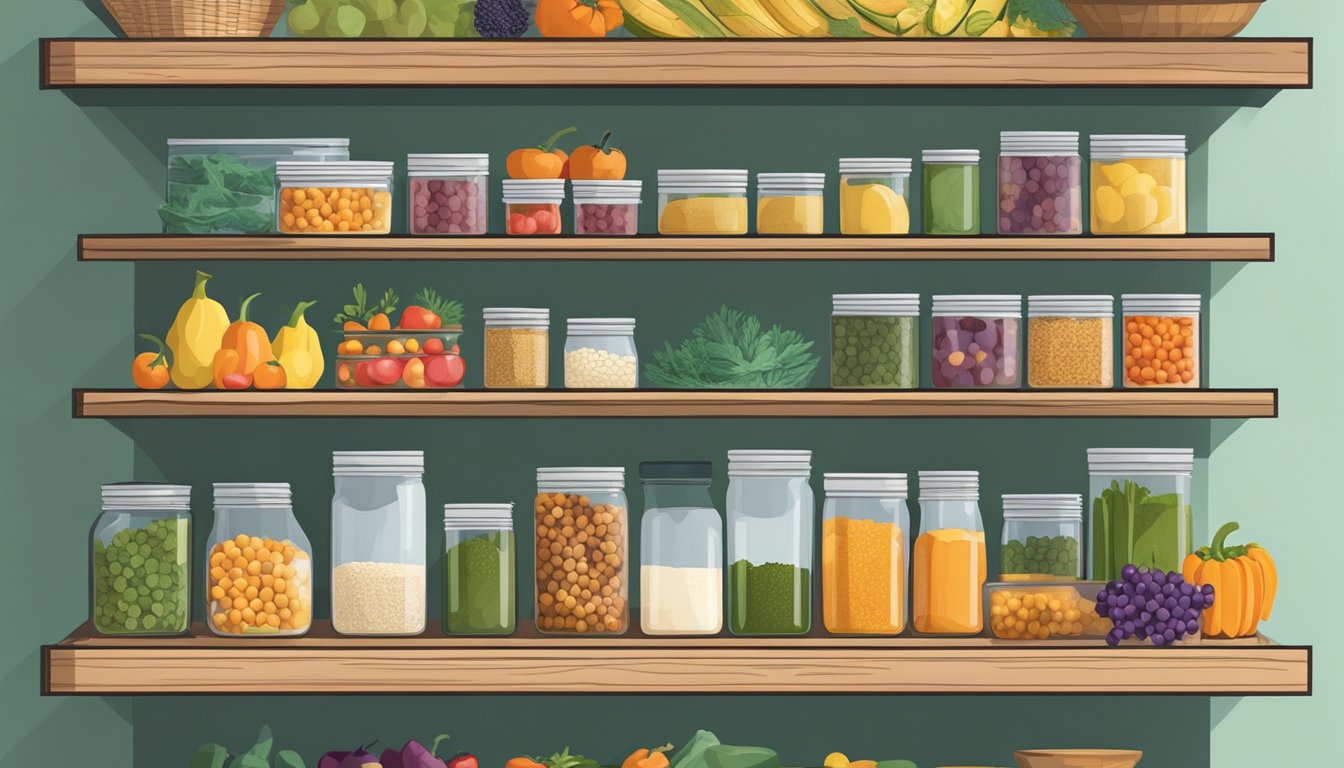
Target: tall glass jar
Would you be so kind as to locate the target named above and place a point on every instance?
(681, 551)
(1040, 183)
(1042, 537)
(977, 342)
(1140, 509)
(378, 543)
(875, 195)
(449, 194)
(479, 552)
(600, 353)
(582, 545)
(949, 572)
(771, 516)
(865, 548)
(517, 347)
(951, 192)
(140, 561)
(873, 341)
(259, 566)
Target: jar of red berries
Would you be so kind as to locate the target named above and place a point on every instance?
(1040, 183)
(532, 206)
(606, 207)
(448, 194)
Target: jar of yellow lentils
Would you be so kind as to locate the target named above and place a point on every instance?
(702, 202)
(517, 347)
(1138, 185)
(1070, 342)
(875, 195)
(334, 198)
(789, 203)
(259, 564)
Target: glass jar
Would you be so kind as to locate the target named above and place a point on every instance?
(865, 551)
(583, 537)
(951, 191)
(771, 517)
(450, 194)
(1042, 537)
(1040, 183)
(790, 203)
(977, 341)
(259, 566)
(334, 198)
(419, 359)
(378, 543)
(607, 207)
(875, 195)
(140, 562)
(479, 554)
(1161, 339)
(517, 348)
(1017, 611)
(1070, 342)
(949, 563)
(873, 341)
(600, 353)
(1138, 185)
(680, 551)
(1140, 509)
(702, 202)
(532, 206)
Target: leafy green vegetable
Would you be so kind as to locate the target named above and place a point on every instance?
(729, 350)
(257, 756)
(1047, 15)
(448, 310)
(1129, 525)
(692, 753)
(209, 756)
(566, 760)
(726, 756)
(218, 193)
(361, 311)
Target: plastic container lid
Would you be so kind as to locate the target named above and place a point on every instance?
(534, 191)
(676, 470)
(572, 479)
(523, 317)
(708, 180)
(875, 304)
(146, 496)
(951, 156)
(1141, 461)
(1018, 506)
(258, 495)
(796, 183)
(945, 485)
(608, 192)
(1119, 146)
(1007, 305)
(893, 485)
(1070, 306)
(452, 165)
(307, 172)
(859, 166)
(467, 517)
(600, 326)
(1170, 304)
(754, 463)
(1038, 143)
(308, 143)
(368, 463)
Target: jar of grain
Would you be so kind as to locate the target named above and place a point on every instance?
(259, 564)
(479, 552)
(378, 543)
(865, 552)
(1161, 339)
(1070, 342)
(600, 353)
(582, 541)
(517, 348)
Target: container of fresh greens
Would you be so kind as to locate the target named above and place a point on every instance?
(1140, 509)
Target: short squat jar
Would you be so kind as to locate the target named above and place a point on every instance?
(875, 195)
(790, 203)
(600, 353)
(333, 197)
(873, 342)
(1138, 184)
(771, 520)
(681, 551)
(977, 342)
(702, 202)
(1070, 342)
(140, 562)
(1161, 339)
(951, 191)
(517, 347)
(606, 207)
(449, 194)
(479, 554)
(1042, 537)
(865, 554)
(532, 206)
(582, 551)
(1040, 183)
(259, 564)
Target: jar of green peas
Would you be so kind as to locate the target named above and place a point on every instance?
(139, 564)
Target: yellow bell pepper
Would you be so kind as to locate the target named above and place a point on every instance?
(196, 335)
(298, 351)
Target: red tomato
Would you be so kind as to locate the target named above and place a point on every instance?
(445, 371)
(385, 371)
(362, 376)
(433, 347)
(415, 318)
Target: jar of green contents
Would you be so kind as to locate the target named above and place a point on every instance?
(952, 191)
(873, 341)
(1042, 537)
(478, 569)
(140, 565)
(771, 516)
(1140, 509)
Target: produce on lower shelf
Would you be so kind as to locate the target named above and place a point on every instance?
(648, 758)
(412, 755)
(196, 335)
(1243, 576)
(840, 760)
(298, 351)
(257, 756)
(214, 193)
(731, 350)
(421, 352)
(543, 161)
(1130, 525)
(149, 370)
(1154, 605)
(245, 358)
(140, 579)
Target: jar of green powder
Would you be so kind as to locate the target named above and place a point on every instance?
(951, 191)
(771, 519)
(1042, 537)
(478, 569)
(140, 564)
(873, 341)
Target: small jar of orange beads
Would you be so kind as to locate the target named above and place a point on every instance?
(259, 565)
(1161, 335)
(333, 198)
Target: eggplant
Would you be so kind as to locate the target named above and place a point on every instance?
(391, 758)
(417, 755)
(332, 759)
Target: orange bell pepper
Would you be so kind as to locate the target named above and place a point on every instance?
(1244, 582)
(226, 373)
(249, 340)
(544, 161)
(648, 758)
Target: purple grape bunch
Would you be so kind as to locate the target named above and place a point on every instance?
(1152, 605)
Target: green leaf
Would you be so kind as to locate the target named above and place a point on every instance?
(845, 27)
(288, 758)
(730, 350)
(209, 756)
(1047, 15)
(262, 748)
(251, 761)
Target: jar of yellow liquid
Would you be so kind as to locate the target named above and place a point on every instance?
(702, 202)
(875, 195)
(949, 560)
(789, 203)
(1138, 185)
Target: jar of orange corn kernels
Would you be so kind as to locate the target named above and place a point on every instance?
(333, 198)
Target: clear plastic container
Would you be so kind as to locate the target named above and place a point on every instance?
(1070, 342)
(680, 551)
(1040, 183)
(333, 198)
(532, 206)
(378, 543)
(419, 359)
(1062, 611)
(873, 341)
(479, 554)
(790, 203)
(1042, 537)
(140, 560)
(951, 191)
(977, 342)
(1140, 509)
(600, 353)
(875, 195)
(865, 554)
(449, 194)
(771, 518)
(1138, 185)
(259, 564)
(702, 202)
(582, 546)
(949, 560)
(517, 348)
(607, 207)
(1161, 339)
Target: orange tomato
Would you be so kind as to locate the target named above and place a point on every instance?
(149, 370)
(578, 18)
(598, 161)
(544, 161)
(269, 375)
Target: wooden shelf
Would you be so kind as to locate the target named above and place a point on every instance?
(1221, 247)
(645, 403)
(1242, 63)
(324, 663)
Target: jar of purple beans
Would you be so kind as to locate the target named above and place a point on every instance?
(1040, 183)
(448, 194)
(606, 207)
(977, 342)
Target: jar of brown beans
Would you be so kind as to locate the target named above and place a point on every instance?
(582, 550)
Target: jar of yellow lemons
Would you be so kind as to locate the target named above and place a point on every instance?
(1138, 185)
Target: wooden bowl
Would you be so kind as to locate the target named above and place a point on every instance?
(1155, 18)
(1077, 758)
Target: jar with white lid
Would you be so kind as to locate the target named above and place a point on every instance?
(702, 202)
(449, 194)
(140, 560)
(334, 198)
(771, 518)
(600, 353)
(1040, 183)
(517, 347)
(1042, 537)
(1138, 184)
(1161, 339)
(607, 207)
(582, 545)
(949, 560)
(977, 341)
(479, 554)
(951, 191)
(790, 203)
(1070, 342)
(1140, 509)
(873, 341)
(378, 543)
(259, 564)
(532, 206)
(875, 195)
(681, 551)
(865, 553)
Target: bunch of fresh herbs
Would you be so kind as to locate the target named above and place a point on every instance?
(731, 350)
(218, 193)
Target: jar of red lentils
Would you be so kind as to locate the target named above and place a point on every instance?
(582, 537)
(449, 194)
(259, 564)
(1161, 339)
(607, 207)
(532, 206)
(334, 198)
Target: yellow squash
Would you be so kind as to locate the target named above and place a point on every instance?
(298, 351)
(196, 335)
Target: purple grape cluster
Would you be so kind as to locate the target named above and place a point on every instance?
(1152, 605)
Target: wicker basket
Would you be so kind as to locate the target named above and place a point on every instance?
(196, 18)
(1155, 18)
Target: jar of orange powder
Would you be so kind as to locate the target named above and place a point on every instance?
(259, 565)
(1161, 339)
(949, 562)
(865, 549)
